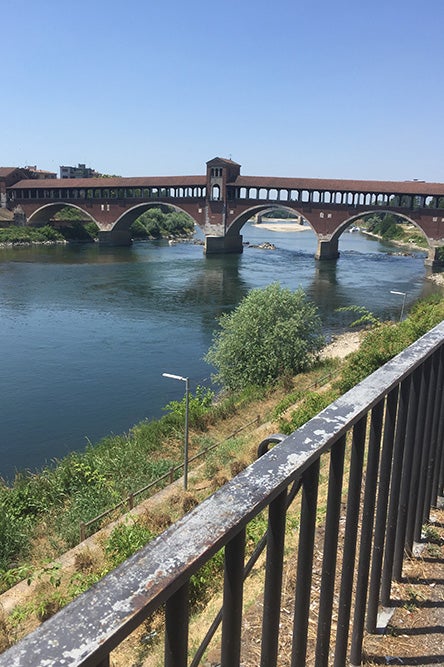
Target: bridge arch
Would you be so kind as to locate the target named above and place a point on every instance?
(237, 224)
(124, 221)
(354, 218)
(44, 213)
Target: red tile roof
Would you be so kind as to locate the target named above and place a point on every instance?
(114, 182)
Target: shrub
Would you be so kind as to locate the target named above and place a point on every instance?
(310, 405)
(273, 331)
(126, 539)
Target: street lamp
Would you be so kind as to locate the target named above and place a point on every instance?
(187, 402)
(403, 294)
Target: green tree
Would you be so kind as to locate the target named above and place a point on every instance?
(272, 332)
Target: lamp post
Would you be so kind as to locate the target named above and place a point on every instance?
(187, 402)
(403, 294)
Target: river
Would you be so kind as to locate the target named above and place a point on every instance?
(86, 332)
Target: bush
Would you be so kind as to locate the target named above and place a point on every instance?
(308, 408)
(389, 339)
(272, 332)
(126, 539)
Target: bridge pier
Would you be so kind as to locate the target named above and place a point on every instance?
(435, 258)
(115, 237)
(223, 244)
(327, 249)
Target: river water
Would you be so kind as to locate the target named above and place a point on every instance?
(86, 332)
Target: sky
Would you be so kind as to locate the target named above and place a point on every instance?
(310, 88)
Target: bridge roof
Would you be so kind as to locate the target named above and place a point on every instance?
(326, 184)
(339, 185)
(113, 182)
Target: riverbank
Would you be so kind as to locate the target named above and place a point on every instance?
(282, 226)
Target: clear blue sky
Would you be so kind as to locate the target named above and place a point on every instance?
(314, 88)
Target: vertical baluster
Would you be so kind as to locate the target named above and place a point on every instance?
(368, 513)
(438, 471)
(381, 511)
(350, 537)
(176, 628)
(232, 605)
(430, 377)
(273, 580)
(395, 484)
(330, 552)
(305, 563)
(418, 447)
(404, 498)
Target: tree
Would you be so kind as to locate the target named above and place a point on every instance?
(272, 332)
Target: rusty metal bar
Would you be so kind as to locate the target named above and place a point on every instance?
(404, 497)
(395, 485)
(418, 447)
(430, 390)
(233, 594)
(350, 539)
(367, 521)
(437, 440)
(310, 482)
(273, 580)
(382, 507)
(334, 498)
(176, 628)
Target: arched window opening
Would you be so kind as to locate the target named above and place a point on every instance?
(215, 193)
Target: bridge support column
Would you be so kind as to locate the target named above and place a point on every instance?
(435, 258)
(327, 249)
(115, 237)
(223, 244)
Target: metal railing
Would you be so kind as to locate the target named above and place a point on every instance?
(128, 502)
(384, 445)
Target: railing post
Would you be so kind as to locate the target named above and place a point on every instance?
(368, 512)
(330, 552)
(350, 538)
(430, 379)
(273, 580)
(404, 497)
(418, 447)
(176, 628)
(232, 605)
(395, 485)
(381, 511)
(305, 564)
(437, 440)
(82, 531)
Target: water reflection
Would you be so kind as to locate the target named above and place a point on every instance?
(87, 331)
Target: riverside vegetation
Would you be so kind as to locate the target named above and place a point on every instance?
(40, 512)
(71, 225)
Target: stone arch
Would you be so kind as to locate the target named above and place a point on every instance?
(124, 221)
(354, 218)
(237, 224)
(44, 213)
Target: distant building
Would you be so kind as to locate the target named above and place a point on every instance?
(40, 173)
(81, 171)
(9, 176)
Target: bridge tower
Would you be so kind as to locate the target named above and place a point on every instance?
(220, 172)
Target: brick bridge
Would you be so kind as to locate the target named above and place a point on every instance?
(222, 200)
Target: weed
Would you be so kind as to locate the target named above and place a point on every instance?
(126, 539)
